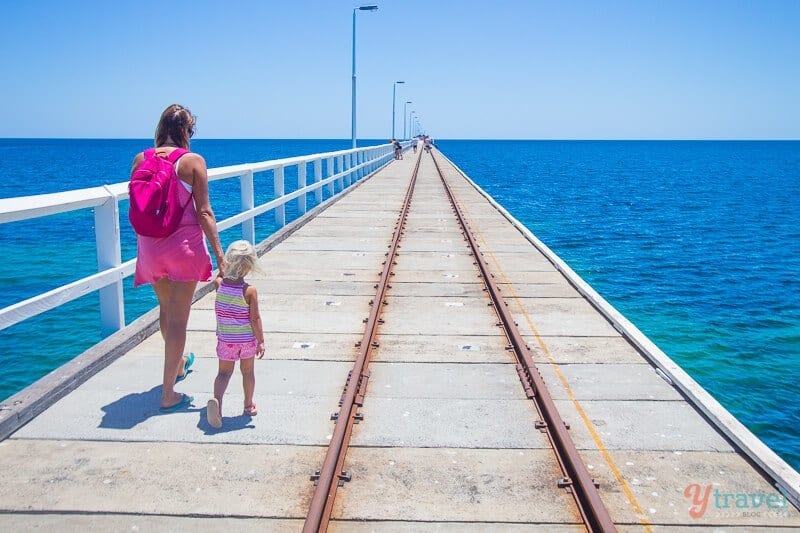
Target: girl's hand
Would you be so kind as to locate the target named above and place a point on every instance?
(261, 350)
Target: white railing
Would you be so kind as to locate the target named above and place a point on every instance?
(352, 165)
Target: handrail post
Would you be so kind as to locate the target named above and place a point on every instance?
(248, 202)
(340, 160)
(346, 166)
(301, 182)
(328, 173)
(109, 255)
(280, 211)
(317, 178)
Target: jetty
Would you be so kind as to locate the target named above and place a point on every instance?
(430, 366)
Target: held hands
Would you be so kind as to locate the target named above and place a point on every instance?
(222, 266)
(261, 350)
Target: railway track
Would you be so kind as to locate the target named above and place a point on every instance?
(575, 477)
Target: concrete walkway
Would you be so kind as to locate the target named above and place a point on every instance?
(448, 440)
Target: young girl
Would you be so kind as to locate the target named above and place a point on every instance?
(240, 336)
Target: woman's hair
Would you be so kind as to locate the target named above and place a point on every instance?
(241, 258)
(177, 124)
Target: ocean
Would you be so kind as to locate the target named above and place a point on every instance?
(696, 242)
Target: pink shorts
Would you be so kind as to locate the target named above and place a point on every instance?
(233, 351)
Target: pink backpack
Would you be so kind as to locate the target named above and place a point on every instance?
(155, 206)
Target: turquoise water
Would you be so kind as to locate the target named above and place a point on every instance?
(696, 242)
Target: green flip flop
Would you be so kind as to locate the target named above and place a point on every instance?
(189, 361)
(186, 401)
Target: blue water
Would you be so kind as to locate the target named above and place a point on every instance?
(696, 242)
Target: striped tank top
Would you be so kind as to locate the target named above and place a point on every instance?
(233, 314)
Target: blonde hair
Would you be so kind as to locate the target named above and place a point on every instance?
(241, 259)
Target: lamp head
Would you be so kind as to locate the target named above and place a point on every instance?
(371, 7)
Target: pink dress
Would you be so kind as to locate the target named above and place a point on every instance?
(182, 256)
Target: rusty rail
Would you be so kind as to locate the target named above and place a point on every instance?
(577, 477)
(331, 475)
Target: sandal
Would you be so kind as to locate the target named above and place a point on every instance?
(250, 410)
(185, 402)
(188, 361)
(213, 414)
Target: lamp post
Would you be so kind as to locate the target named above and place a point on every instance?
(411, 123)
(371, 7)
(405, 120)
(394, 94)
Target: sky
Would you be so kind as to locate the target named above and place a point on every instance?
(507, 69)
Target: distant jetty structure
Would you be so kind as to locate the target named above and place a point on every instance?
(431, 365)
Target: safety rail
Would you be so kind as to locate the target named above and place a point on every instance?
(344, 167)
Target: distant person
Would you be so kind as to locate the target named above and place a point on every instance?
(417, 144)
(240, 335)
(174, 264)
(398, 149)
(427, 143)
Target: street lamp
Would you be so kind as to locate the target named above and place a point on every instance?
(405, 121)
(411, 116)
(394, 94)
(371, 7)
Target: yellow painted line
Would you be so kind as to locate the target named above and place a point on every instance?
(632, 501)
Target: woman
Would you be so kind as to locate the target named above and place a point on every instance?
(174, 264)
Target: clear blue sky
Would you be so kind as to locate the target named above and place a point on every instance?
(529, 69)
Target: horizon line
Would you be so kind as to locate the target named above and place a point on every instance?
(540, 139)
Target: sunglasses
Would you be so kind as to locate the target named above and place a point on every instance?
(193, 126)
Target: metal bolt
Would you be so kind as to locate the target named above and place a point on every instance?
(344, 477)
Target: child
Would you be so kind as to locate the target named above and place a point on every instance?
(240, 335)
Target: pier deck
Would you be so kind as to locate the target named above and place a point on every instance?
(448, 439)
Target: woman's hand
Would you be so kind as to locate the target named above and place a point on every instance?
(222, 266)
(261, 350)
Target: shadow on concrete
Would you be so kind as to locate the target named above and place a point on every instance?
(229, 423)
(133, 409)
